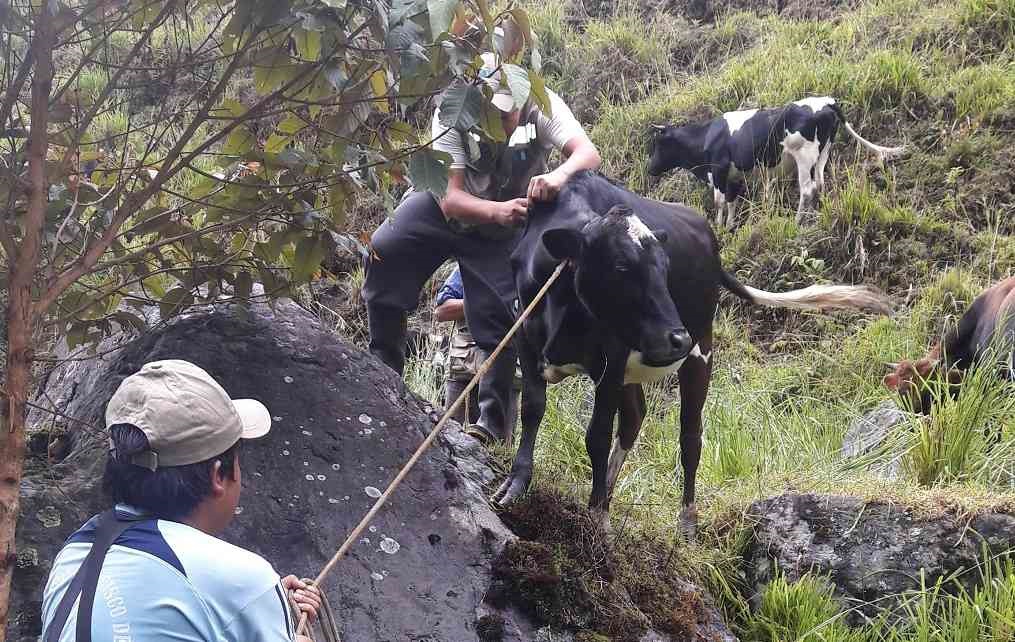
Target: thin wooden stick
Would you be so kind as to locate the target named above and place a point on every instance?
(356, 532)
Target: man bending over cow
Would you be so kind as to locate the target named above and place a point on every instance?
(490, 186)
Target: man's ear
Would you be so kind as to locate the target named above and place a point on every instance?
(564, 244)
(218, 479)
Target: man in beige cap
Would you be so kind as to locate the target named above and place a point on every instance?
(490, 187)
(154, 561)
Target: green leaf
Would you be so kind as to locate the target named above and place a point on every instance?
(308, 44)
(518, 81)
(493, 123)
(76, 335)
(441, 13)
(231, 107)
(239, 142)
(428, 170)
(271, 69)
(174, 301)
(270, 250)
(276, 143)
(309, 254)
(379, 85)
(539, 94)
(292, 124)
(461, 107)
(522, 19)
(337, 197)
(129, 320)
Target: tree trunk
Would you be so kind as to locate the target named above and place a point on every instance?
(20, 314)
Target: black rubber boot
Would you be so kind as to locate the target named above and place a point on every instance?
(387, 335)
(495, 398)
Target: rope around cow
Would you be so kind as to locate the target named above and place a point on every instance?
(423, 447)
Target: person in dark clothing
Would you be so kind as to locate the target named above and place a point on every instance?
(464, 359)
(476, 222)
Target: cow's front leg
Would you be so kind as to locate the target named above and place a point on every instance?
(599, 438)
(631, 415)
(695, 375)
(533, 409)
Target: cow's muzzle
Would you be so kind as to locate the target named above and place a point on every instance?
(679, 346)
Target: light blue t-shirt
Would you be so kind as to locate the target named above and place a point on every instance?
(164, 580)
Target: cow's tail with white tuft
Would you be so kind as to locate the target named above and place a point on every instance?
(884, 153)
(814, 297)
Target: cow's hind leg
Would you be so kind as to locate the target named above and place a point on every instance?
(533, 409)
(805, 153)
(694, 379)
(630, 418)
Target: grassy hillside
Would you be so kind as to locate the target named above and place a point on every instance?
(932, 229)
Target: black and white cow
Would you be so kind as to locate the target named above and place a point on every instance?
(721, 150)
(635, 304)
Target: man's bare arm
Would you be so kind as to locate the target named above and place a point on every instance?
(450, 310)
(581, 154)
(461, 205)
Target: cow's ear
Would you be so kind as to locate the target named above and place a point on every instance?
(563, 243)
(924, 367)
(891, 381)
(661, 236)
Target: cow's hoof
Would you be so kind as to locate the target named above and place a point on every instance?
(689, 523)
(510, 491)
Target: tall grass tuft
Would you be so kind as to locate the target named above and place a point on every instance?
(957, 441)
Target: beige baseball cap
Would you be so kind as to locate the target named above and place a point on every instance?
(502, 98)
(185, 414)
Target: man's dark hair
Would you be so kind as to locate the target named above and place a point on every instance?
(169, 493)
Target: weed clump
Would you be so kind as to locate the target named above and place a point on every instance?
(564, 574)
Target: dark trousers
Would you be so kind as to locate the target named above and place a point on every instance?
(454, 387)
(409, 248)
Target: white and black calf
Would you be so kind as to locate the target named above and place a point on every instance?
(635, 304)
(721, 150)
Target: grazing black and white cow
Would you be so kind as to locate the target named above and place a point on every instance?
(721, 150)
(986, 330)
(635, 304)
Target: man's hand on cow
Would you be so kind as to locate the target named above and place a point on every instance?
(545, 187)
(513, 212)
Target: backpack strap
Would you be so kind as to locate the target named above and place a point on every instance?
(108, 528)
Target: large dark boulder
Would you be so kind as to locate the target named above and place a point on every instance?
(872, 552)
(343, 426)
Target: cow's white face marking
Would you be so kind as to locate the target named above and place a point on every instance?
(637, 372)
(637, 230)
(816, 103)
(736, 119)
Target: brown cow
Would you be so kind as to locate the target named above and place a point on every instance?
(988, 324)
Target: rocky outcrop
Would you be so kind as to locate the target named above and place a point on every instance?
(872, 552)
(867, 434)
(343, 426)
